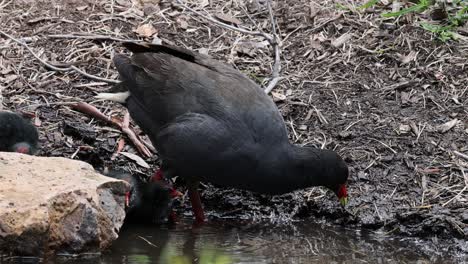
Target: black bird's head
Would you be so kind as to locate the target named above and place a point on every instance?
(23, 147)
(324, 167)
(17, 134)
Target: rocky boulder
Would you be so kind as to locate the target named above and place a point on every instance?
(52, 205)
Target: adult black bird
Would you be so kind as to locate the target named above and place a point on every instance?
(211, 123)
(146, 202)
(17, 134)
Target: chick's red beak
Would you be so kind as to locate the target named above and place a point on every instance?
(342, 194)
(23, 150)
(127, 199)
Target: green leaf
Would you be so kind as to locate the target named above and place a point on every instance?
(368, 4)
(421, 6)
(444, 33)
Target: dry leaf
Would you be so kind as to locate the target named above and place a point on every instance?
(37, 121)
(136, 158)
(146, 30)
(204, 3)
(341, 40)
(203, 51)
(408, 58)
(10, 78)
(278, 96)
(156, 40)
(315, 44)
(228, 19)
(182, 23)
(403, 129)
(81, 8)
(447, 126)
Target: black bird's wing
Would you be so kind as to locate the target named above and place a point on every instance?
(166, 82)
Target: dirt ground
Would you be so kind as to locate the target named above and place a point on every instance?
(386, 94)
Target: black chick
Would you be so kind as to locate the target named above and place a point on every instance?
(17, 134)
(146, 202)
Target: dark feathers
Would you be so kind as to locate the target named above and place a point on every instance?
(17, 134)
(210, 122)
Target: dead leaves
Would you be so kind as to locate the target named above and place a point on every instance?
(448, 125)
(145, 30)
(136, 158)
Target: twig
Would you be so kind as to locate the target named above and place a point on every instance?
(147, 241)
(456, 196)
(461, 155)
(273, 39)
(52, 67)
(124, 125)
(385, 145)
(92, 37)
(277, 64)
(313, 29)
(120, 146)
(1, 98)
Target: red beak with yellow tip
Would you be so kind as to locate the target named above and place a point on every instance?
(342, 194)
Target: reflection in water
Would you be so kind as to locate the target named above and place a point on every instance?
(236, 241)
(240, 242)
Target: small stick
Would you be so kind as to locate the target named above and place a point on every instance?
(147, 241)
(52, 67)
(461, 155)
(120, 146)
(93, 111)
(385, 145)
(124, 125)
(92, 37)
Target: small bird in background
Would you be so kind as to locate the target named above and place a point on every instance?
(146, 202)
(17, 134)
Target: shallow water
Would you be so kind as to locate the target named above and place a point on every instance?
(234, 241)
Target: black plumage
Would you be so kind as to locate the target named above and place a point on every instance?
(147, 202)
(17, 134)
(211, 123)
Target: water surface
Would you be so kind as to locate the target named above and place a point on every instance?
(236, 241)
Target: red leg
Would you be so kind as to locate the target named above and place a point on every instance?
(196, 202)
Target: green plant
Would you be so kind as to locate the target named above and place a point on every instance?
(456, 18)
(420, 7)
(368, 4)
(444, 33)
